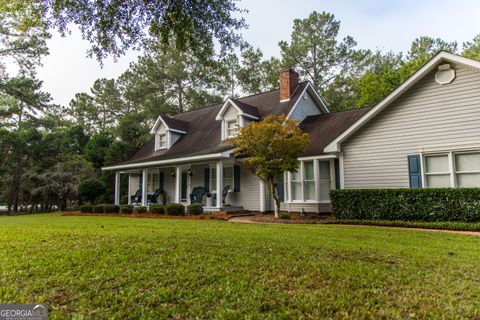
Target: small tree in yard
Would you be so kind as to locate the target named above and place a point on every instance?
(91, 189)
(269, 148)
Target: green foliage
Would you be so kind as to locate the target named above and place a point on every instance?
(447, 204)
(174, 209)
(97, 149)
(257, 75)
(98, 208)
(112, 28)
(194, 209)
(86, 208)
(111, 208)
(140, 209)
(285, 215)
(318, 54)
(126, 208)
(91, 189)
(156, 208)
(269, 148)
(124, 199)
(471, 49)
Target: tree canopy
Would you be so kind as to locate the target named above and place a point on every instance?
(269, 148)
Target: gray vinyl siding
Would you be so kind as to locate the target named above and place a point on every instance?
(429, 114)
(305, 107)
(134, 184)
(174, 137)
(168, 184)
(249, 195)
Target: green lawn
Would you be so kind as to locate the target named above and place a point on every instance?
(105, 267)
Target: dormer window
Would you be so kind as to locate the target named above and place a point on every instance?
(232, 128)
(161, 141)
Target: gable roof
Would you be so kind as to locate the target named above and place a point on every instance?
(171, 124)
(243, 109)
(204, 133)
(323, 128)
(441, 57)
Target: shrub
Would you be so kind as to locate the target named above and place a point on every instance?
(124, 199)
(140, 209)
(111, 208)
(86, 208)
(126, 208)
(195, 209)
(91, 189)
(98, 208)
(174, 209)
(446, 204)
(156, 208)
(284, 215)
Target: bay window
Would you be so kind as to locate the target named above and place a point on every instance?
(311, 183)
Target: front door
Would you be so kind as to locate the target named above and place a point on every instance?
(183, 193)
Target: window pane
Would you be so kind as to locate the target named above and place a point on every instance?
(467, 162)
(296, 176)
(308, 170)
(437, 164)
(296, 191)
(438, 181)
(325, 187)
(324, 170)
(310, 190)
(228, 182)
(465, 180)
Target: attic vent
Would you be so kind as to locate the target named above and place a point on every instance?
(445, 74)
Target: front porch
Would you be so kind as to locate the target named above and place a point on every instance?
(185, 184)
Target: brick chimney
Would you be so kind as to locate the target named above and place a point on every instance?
(288, 83)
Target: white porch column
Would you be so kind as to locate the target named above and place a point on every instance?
(316, 174)
(129, 188)
(262, 196)
(219, 186)
(144, 187)
(178, 177)
(117, 188)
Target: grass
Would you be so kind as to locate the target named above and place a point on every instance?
(442, 225)
(123, 268)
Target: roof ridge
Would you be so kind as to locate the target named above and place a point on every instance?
(235, 99)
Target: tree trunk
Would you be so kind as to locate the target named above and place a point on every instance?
(273, 189)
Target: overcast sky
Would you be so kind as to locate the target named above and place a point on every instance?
(386, 25)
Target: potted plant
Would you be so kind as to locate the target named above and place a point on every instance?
(208, 199)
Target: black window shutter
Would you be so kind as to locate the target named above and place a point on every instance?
(162, 178)
(414, 171)
(337, 174)
(206, 179)
(281, 189)
(236, 178)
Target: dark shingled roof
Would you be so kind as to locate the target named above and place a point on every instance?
(324, 128)
(175, 123)
(248, 109)
(203, 134)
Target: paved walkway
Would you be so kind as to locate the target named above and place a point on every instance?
(248, 219)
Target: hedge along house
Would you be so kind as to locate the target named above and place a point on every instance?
(424, 134)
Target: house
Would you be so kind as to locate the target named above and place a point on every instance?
(426, 133)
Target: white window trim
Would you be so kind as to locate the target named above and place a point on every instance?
(214, 167)
(316, 168)
(157, 141)
(451, 164)
(227, 129)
